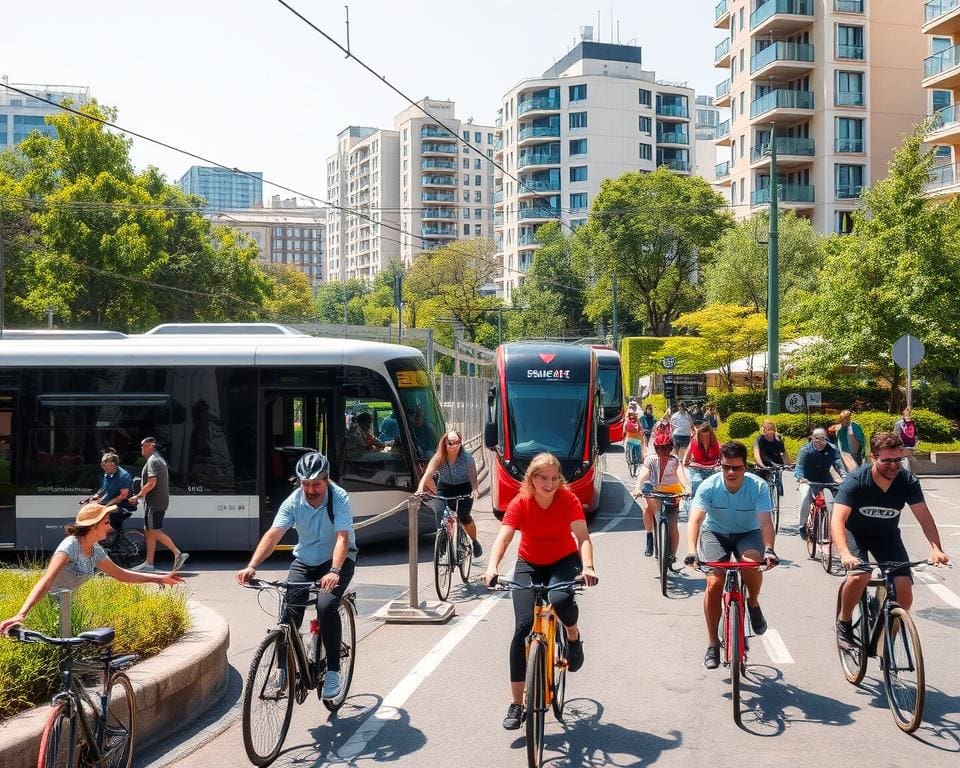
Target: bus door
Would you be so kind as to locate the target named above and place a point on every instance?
(8, 484)
(295, 422)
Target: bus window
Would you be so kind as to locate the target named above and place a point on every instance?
(420, 406)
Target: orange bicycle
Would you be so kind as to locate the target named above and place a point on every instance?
(546, 663)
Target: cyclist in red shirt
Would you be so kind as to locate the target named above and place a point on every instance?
(555, 547)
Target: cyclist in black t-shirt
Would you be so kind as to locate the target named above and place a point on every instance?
(769, 450)
(866, 518)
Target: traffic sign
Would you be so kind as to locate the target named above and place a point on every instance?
(669, 362)
(794, 402)
(907, 351)
(813, 399)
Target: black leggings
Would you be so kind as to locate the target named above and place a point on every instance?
(563, 603)
(464, 506)
(328, 604)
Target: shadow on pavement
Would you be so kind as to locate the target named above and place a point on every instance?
(940, 727)
(586, 742)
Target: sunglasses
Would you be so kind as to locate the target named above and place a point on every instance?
(734, 467)
(453, 442)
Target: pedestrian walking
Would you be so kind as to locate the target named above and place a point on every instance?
(155, 492)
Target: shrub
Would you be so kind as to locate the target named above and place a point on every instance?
(741, 425)
(145, 618)
(750, 401)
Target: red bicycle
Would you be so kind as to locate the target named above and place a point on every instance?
(819, 542)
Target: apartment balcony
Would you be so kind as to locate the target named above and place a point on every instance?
(498, 196)
(498, 123)
(498, 146)
(782, 61)
(942, 70)
(850, 99)
(721, 53)
(723, 134)
(673, 111)
(497, 219)
(783, 106)
(528, 240)
(436, 133)
(533, 134)
(791, 152)
(722, 96)
(781, 17)
(532, 159)
(721, 174)
(851, 52)
(438, 197)
(438, 164)
(796, 196)
(848, 146)
(941, 17)
(537, 187)
(945, 128)
(540, 212)
(944, 181)
(439, 230)
(438, 181)
(680, 138)
(848, 6)
(678, 166)
(538, 104)
(447, 214)
(848, 191)
(721, 15)
(431, 148)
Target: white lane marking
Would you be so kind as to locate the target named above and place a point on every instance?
(944, 593)
(775, 647)
(393, 701)
(944, 499)
(619, 518)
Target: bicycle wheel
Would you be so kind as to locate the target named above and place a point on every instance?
(813, 532)
(129, 549)
(826, 544)
(663, 552)
(442, 564)
(57, 741)
(535, 705)
(118, 732)
(559, 672)
(775, 498)
(348, 655)
(854, 662)
(903, 671)
(464, 553)
(735, 651)
(268, 699)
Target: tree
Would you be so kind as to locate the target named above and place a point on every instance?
(290, 297)
(451, 278)
(342, 301)
(654, 231)
(737, 273)
(728, 333)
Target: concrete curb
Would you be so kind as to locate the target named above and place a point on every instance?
(172, 688)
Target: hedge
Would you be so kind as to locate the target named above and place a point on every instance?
(640, 357)
(931, 427)
(741, 425)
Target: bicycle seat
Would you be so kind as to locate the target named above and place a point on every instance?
(676, 488)
(101, 636)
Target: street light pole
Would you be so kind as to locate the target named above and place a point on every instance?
(773, 294)
(615, 310)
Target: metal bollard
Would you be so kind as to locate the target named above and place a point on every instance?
(413, 512)
(65, 598)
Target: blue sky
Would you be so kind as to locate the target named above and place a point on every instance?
(249, 85)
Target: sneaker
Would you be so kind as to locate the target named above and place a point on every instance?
(649, 550)
(711, 659)
(276, 687)
(515, 716)
(144, 567)
(477, 550)
(331, 685)
(574, 654)
(757, 621)
(845, 638)
(179, 560)
(803, 532)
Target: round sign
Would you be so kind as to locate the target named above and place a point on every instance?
(907, 351)
(669, 362)
(794, 402)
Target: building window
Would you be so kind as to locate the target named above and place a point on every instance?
(578, 92)
(476, 197)
(578, 146)
(578, 119)
(941, 100)
(646, 125)
(466, 163)
(849, 134)
(466, 195)
(743, 143)
(578, 201)
(489, 138)
(478, 181)
(477, 137)
(478, 213)
(849, 89)
(466, 135)
(849, 181)
(466, 179)
(843, 222)
(466, 230)
(578, 173)
(646, 98)
(646, 152)
(743, 98)
(477, 230)
(849, 42)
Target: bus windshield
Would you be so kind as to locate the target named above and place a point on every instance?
(419, 403)
(547, 418)
(612, 393)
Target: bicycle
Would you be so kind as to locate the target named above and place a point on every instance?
(668, 504)
(773, 474)
(819, 540)
(735, 638)
(81, 730)
(546, 682)
(452, 547)
(633, 456)
(270, 689)
(878, 616)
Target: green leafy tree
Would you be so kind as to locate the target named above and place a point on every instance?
(342, 301)
(290, 297)
(653, 231)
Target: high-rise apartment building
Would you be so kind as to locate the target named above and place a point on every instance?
(595, 114)
(836, 82)
(20, 115)
(222, 189)
(706, 121)
(941, 78)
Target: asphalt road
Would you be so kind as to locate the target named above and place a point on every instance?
(435, 695)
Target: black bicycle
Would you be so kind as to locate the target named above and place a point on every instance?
(668, 504)
(452, 547)
(773, 474)
(881, 628)
(284, 669)
(84, 729)
(127, 547)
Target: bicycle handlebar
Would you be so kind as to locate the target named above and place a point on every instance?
(31, 636)
(427, 495)
(505, 585)
(888, 565)
(730, 565)
(665, 496)
(271, 584)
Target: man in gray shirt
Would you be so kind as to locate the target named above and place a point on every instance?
(155, 490)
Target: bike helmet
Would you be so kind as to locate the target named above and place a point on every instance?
(313, 466)
(663, 440)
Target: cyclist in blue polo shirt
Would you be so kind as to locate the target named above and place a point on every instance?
(731, 515)
(325, 553)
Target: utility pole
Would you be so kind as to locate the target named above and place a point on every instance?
(773, 293)
(398, 300)
(615, 310)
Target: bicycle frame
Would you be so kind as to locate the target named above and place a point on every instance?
(545, 630)
(885, 595)
(733, 600)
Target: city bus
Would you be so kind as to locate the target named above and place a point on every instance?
(546, 397)
(610, 374)
(232, 406)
